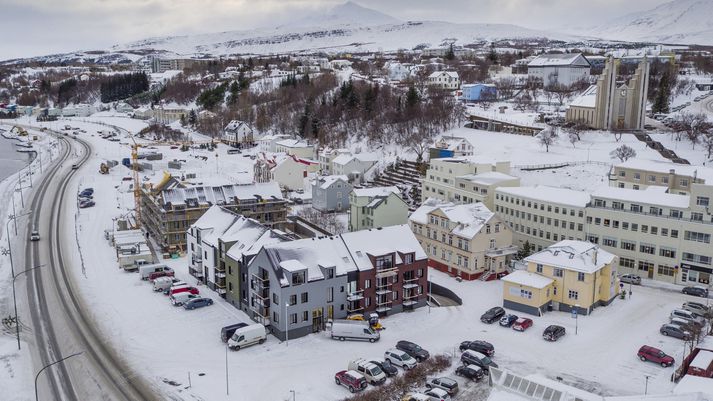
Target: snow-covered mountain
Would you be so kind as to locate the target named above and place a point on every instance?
(679, 21)
(347, 27)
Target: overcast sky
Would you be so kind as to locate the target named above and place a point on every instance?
(40, 27)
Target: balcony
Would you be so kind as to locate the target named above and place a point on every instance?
(354, 307)
(220, 274)
(262, 311)
(387, 272)
(355, 296)
(196, 272)
(509, 250)
(383, 291)
(260, 281)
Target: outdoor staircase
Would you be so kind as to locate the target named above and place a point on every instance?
(405, 175)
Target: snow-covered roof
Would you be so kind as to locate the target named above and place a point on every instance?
(450, 142)
(701, 172)
(451, 74)
(489, 178)
(225, 194)
(579, 256)
(649, 197)
(310, 254)
(522, 277)
(588, 98)
(293, 143)
(327, 181)
(469, 218)
(561, 196)
(558, 60)
(690, 384)
(343, 158)
(234, 125)
(376, 191)
(382, 241)
(703, 360)
(213, 223)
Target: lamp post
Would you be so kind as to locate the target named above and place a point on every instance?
(576, 318)
(293, 394)
(47, 366)
(14, 301)
(646, 386)
(287, 326)
(227, 382)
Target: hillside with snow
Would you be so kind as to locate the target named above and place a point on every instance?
(679, 22)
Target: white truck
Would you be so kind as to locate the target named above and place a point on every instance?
(371, 372)
(353, 330)
(247, 336)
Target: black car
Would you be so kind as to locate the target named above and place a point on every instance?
(413, 349)
(473, 372)
(553, 332)
(696, 291)
(492, 315)
(227, 331)
(483, 347)
(386, 366)
(508, 320)
(470, 357)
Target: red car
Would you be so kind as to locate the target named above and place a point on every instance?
(178, 290)
(350, 379)
(522, 324)
(166, 273)
(655, 355)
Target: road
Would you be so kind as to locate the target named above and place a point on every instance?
(60, 322)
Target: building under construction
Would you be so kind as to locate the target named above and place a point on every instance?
(170, 208)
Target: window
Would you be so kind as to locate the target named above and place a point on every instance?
(408, 258)
(275, 299)
(580, 276)
(305, 316)
(644, 228)
(275, 317)
(667, 252)
(674, 233)
(676, 213)
(696, 216)
(697, 237)
(626, 262)
(655, 210)
(305, 297)
(692, 257)
(665, 270)
(637, 176)
(683, 182)
(298, 278)
(654, 230)
(609, 242)
(367, 283)
(330, 294)
(647, 248)
(664, 232)
(628, 245)
(526, 294)
(635, 208)
(420, 273)
(652, 178)
(558, 272)
(645, 266)
(293, 299)
(293, 318)
(539, 268)
(702, 200)
(573, 295)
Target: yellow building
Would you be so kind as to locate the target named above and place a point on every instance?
(567, 275)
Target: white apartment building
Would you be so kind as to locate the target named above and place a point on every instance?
(466, 180)
(565, 69)
(448, 80)
(677, 178)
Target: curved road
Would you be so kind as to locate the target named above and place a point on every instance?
(61, 324)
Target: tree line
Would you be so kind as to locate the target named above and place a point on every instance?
(123, 86)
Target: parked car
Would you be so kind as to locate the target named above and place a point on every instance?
(227, 331)
(483, 347)
(35, 235)
(371, 372)
(246, 336)
(168, 272)
(522, 324)
(181, 298)
(673, 330)
(145, 270)
(416, 397)
(492, 315)
(684, 324)
(508, 320)
(630, 279)
(386, 366)
(350, 379)
(696, 291)
(553, 332)
(86, 204)
(698, 308)
(413, 349)
(443, 383)
(163, 283)
(344, 329)
(183, 288)
(399, 358)
(438, 394)
(197, 303)
(648, 353)
(470, 357)
(473, 372)
(688, 315)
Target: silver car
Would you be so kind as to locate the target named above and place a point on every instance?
(630, 279)
(698, 308)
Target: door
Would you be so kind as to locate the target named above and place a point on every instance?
(317, 320)
(651, 271)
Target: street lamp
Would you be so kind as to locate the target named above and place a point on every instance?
(287, 326)
(14, 301)
(646, 387)
(227, 382)
(47, 366)
(293, 394)
(576, 318)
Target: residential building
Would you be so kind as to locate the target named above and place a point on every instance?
(467, 241)
(566, 276)
(447, 80)
(542, 215)
(564, 69)
(677, 178)
(466, 180)
(295, 147)
(268, 143)
(611, 105)
(292, 172)
(354, 166)
(237, 133)
(479, 92)
(326, 156)
(296, 286)
(450, 146)
(331, 193)
(376, 207)
(170, 208)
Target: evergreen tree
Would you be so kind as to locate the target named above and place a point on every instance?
(450, 55)
(192, 118)
(493, 55)
(412, 97)
(663, 93)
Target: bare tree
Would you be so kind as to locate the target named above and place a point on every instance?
(707, 141)
(623, 153)
(691, 125)
(547, 138)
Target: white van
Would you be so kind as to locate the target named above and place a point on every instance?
(181, 298)
(371, 372)
(353, 330)
(146, 270)
(164, 283)
(248, 335)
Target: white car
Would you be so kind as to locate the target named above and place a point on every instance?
(399, 358)
(438, 394)
(35, 235)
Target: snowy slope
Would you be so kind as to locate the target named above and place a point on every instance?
(349, 13)
(679, 21)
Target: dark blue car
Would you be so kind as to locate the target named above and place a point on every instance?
(197, 303)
